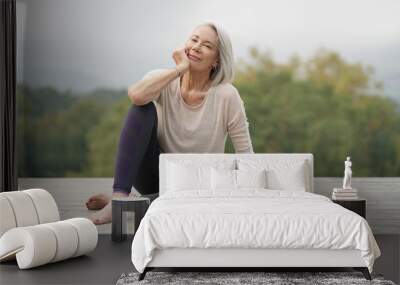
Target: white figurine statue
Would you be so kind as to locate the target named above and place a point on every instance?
(347, 174)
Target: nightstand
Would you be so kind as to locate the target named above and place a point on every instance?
(358, 206)
(139, 205)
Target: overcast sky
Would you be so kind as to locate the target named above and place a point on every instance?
(85, 44)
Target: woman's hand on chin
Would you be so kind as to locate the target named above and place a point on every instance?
(181, 59)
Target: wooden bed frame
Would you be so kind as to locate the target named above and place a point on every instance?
(241, 259)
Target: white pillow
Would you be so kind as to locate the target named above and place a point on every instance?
(188, 174)
(227, 179)
(256, 178)
(220, 163)
(181, 178)
(223, 179)
(281, 174)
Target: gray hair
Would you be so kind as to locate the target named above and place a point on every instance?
(225, 70)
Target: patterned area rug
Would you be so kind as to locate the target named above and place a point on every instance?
(230, 278)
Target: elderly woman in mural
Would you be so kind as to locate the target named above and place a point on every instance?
(187, 109)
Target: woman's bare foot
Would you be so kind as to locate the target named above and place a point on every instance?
(97, 202)
(104, 216)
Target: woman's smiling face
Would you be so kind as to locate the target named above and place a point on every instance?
(202, 48)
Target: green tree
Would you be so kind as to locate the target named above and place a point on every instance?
(325, 106)
(53, 126)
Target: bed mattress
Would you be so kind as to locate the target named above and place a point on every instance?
(251, 219)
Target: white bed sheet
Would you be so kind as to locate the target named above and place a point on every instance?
(250, 218)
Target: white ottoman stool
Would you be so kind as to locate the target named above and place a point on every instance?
(31, 232)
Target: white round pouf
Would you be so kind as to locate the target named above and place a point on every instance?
(40, 244)
(32, 246)
(67, 240)
(45, 205)
(23, 208)
(30, 230)
(87, 233)
(6, 215)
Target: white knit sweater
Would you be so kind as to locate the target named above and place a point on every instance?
(203, 128)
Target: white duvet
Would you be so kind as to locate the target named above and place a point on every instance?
(251, 218)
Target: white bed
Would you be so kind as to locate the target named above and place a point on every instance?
(249, 227)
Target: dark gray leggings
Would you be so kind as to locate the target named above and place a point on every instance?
(138, 153)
